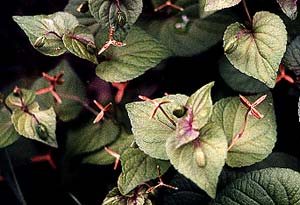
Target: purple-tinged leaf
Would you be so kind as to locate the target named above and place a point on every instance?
(289, 7)
(185, 132)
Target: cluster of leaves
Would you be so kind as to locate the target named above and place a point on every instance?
(198, 135)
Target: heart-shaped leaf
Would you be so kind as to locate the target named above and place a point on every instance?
(36, 124)
(109, 12)
(8, 134)
(141, 53)
(259, 136)
(45, 32)
(89, 138)
(103, 157)
(81, 43)
(215, 5)
(289, 7)
(137, 167)
(198, 35)
(265, 186)
(239, 81)
(72, 96)
(257, 52)
(151, 134)
(290, 59)
(213, 145)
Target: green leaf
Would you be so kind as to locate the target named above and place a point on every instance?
(201, 104)
(141, 53)
(276, 159)
(14, 101)
(80, 9)
(214, 5)
(45, 32)
(202, 12)
(137, 167)
(199, 107)
(72, 96)
(183, 197)
(136, 197)
(106, 12)
(214, 147)
(89, 138)
(198, 36)
(81, 43)
(266, 186)
(259, 136)
(289, 7)
(8, 134)
(151, 134)
(27, 126)
(119, 146)
(239, 81)
(257, 52)
(290, 59)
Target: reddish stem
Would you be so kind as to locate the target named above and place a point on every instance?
(46, 157)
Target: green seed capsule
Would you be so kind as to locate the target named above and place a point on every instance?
(42, 131)
(230, 45)
(179, 111)
(199, 157)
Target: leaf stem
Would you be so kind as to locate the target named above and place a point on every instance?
(247, 11)
(241, 132)
(83, 103)
(24, 107)
(118, 5)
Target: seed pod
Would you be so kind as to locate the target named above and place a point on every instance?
(42, 131)
(230, 45)
(179, 111)
(199, 157)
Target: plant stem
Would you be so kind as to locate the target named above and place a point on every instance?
(241, 132)
(247, 11)
(77, 99)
